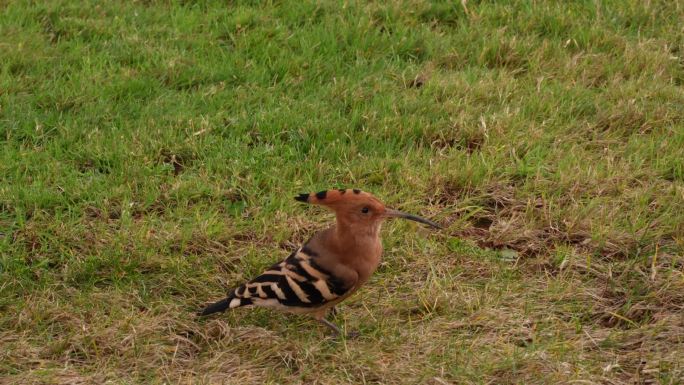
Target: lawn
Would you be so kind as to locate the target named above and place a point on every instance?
(150, 151)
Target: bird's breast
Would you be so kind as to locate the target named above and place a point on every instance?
(366, 263)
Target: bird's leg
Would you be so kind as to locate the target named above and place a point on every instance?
(336, 330)
(334, 313)
(331, 325)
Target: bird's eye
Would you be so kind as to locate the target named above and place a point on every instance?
(365, 210)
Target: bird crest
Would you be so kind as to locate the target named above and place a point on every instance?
(328, 197)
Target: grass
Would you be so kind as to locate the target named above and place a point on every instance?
(150, 151)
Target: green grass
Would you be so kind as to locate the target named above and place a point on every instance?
(151, 149)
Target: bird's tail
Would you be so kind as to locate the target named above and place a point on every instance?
(216, 307)
(230, 302)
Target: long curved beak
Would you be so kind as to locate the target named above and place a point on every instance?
(400, 214)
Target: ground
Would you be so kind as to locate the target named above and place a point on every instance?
(151, 151)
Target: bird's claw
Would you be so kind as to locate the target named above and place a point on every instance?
(353, 334)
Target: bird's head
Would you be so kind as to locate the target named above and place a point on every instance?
(357, 209)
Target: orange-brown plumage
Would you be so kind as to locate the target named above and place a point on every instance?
(330, 266)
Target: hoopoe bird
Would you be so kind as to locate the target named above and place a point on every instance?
(329, 267)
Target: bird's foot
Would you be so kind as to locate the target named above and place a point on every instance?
(353, 334)
(337, 333)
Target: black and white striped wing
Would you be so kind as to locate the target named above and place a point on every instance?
(297, 283)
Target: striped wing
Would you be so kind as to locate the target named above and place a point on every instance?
(298, 282)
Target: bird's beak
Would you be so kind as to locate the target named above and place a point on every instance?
(399, 214)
